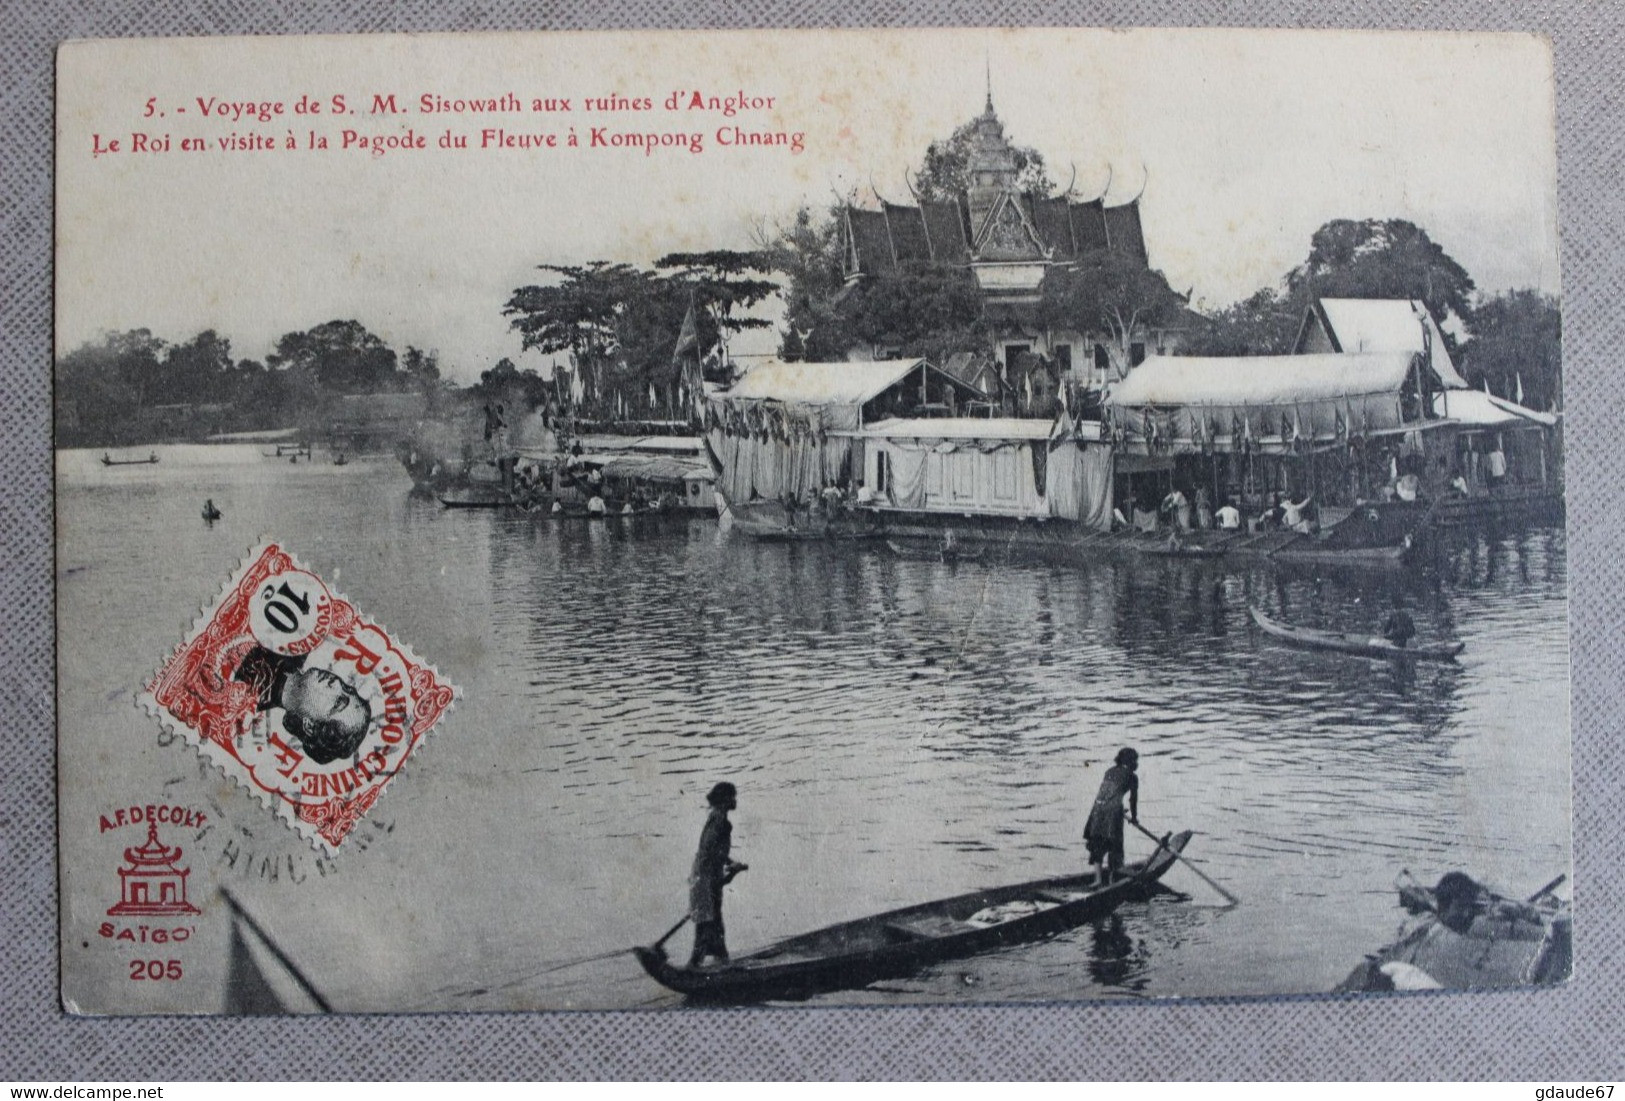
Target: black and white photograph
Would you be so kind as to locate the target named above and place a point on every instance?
(909, 516)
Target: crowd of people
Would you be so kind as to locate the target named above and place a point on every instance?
(1179, 513)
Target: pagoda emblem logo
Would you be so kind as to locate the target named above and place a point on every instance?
(151, 881)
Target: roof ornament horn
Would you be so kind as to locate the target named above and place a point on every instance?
(912, 190)
(1145, 178)
(1070, 184)
(1101, 198)
(876, 190)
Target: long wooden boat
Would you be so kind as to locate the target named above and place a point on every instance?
(937, 552)
(900, 942)
(1184, 550)
(1365, 645)
(475, 502)
(108, 460)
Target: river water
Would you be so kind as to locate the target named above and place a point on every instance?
(898, 730)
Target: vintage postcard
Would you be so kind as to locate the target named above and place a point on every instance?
(616, 520)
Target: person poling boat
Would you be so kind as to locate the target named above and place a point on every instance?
(1399, 628)
(210, 513)
(1386, 644)
(713, 870)
(1103, 832)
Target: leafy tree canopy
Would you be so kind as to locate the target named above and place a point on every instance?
(1263, 324)
(945, 170)
(1381, 258)
(1516, 344)
(1108, 292)
(920, 311)
(341, 356)
(721, 282)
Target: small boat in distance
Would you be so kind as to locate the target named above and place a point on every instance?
(108, 460)
(1183, 550)
(210, 512)
(900, 942)
(1365, 645)
(476, 502)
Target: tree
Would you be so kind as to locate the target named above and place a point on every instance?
(945, 171)
(423, 368)
(576, 314)
(1381, 259)
(618, 323)
(341, 356)
(924, 311)
(808, 253)
(1516, 344)
(1108, 292)
(201, 369)
(721, 282)
(1263, 324)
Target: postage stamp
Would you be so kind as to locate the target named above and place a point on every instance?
(295, 695)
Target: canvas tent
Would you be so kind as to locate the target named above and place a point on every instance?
(1191, 404)
(785, 428)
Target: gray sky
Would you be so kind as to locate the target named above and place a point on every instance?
(1245, 141)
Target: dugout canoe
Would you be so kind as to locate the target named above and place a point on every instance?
(900, 942)
(1365, 645)
(483, 502)
(1186, 550)
(936, 552)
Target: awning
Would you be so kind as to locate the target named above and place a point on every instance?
(820, 383)
(1476, 409)
(1260, 380)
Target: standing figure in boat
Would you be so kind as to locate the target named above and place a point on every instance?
(713, 870)
(1103, 832)
(1399, 628)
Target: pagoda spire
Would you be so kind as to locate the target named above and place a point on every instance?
(987, 62)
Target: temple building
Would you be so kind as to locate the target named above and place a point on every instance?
(1009, 238)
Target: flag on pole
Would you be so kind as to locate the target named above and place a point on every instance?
(688, 337)
(1519, 398)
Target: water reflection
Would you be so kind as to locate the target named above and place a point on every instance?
(900, 730)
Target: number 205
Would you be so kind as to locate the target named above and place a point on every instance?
(155, 969)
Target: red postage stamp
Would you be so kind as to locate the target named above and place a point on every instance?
(295, 695)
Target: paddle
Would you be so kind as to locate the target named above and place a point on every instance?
(1230, 898)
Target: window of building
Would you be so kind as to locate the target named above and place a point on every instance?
(1013, 352)
(1103, 358)
(1063, 357)
(1136, 353)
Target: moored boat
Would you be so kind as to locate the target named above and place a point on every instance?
(900, 942)
(108, 460)
(1183, 550)
(1366, 645)
(1462, 936)
(476, 502)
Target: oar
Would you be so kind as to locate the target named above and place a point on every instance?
(1230, 898)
